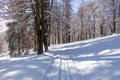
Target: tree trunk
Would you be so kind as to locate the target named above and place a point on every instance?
(114, 17)
(38, 28)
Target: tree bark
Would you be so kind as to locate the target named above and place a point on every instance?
(38, 27)
(114, 18)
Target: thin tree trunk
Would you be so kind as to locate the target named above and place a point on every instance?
(114, 17)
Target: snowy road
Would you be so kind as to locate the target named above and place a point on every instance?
(63, 69)
(95, 59)
(69, 67)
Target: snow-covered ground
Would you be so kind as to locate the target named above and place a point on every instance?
(95, 59)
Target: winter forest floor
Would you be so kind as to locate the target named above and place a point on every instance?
(95, 59)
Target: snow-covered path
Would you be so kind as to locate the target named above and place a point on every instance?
(63, 69)
(95, 59)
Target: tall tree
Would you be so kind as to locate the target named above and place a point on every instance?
(67, 20)
(41, 10)
(20, 33)
(114, 16)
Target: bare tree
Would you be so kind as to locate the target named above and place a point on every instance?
(41, 10)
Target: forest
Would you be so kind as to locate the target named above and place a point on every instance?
(37, 24)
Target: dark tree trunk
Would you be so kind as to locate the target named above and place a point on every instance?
(45, 22)
(45, 43)
(101, 30)
(81, 34)
(42, 20)
(38, 27)
(114, 17)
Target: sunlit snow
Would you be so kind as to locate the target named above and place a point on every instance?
(3, 27)
(95, 59)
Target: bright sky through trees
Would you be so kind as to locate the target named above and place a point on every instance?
(77, 3)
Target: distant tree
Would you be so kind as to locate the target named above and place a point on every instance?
(113, 16)
(67, 20)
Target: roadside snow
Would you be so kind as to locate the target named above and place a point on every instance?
(30, 67)
(95, 59)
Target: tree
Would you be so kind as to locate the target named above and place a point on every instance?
(20, 33)
(67, 20)
(41, 10)
(113, 16)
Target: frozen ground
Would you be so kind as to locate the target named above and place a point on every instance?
(95, 59)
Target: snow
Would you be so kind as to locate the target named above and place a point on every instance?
(3, 29)
(3, 26)
(94, 59)
(23, 68)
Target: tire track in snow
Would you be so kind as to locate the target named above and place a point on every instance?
(63, 69)
(60, 66)
(55, 71)
(69, 70)
(64, 66)
(80, 75)
(44, 77)
(51, 71)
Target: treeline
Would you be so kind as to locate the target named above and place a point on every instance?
(95, 18)
(30, 25)
(36, 24)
